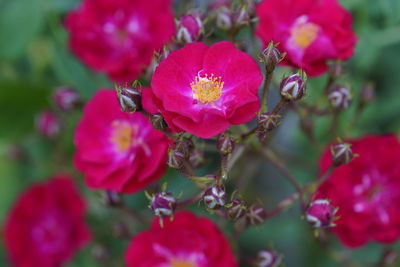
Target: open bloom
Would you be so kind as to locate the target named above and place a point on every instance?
(118, 151)
(203, 90)
(119, 37)
(366, 190)
(187, 240)
(310, 31)
(46, 226)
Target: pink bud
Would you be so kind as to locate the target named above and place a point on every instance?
(320, 213)
(189, 29)
(293, 87)
(214, 197)
(163, 204)
(48, 124)
(66, 98)
(268, 258)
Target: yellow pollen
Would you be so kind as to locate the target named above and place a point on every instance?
(207, 89)
(122, 135)
(181, 263)
(304, 33)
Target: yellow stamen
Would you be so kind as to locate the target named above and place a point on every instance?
(181, 263)
(121, 135)
(207, 89)
(304, 33)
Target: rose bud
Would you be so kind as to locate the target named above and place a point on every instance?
(66, 98)
(175, 159)
(241, 17)
(111, 198)
(271, 56)
(236, 209)
(340, 97)
(268, 258)
(189, 29)
(224, 18)
(158, 122)
(163, 204)
(225, 144)
(214, 197)
(268, 121)
(293, 87)
(184, 146)
(255, 215)
(196, 158)
(48, 124)
(129, 96)
(320, 213)
(341, 153)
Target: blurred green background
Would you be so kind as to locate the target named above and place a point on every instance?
(34, 60)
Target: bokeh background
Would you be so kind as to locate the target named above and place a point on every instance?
(35, 59)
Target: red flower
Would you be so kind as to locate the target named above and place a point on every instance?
(119, 37)
(310, 31)
(186, 241)
(203, 90)
(47, 224)
(117, 150)
(366, 191)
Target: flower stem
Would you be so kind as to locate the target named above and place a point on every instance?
(267, 84)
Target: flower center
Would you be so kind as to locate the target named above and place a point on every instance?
(303, 32)
(122, 135)
(181, 263)
(207, 89)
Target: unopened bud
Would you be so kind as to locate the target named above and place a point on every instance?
(225, 144)
(66, 98)
(175, 159)
(111, 198)
(48, 124)
(184, 146)
(255, 215)
(268, 258)
(268, 121)
(341, 153)
(340, 97)
(293, 87)
(237, 208)
(320, 213)
(163, 204)
(224, 18)
(189, 29)
(241, 17)
(214, 197)
(129, 96)
(158, 122)
(271, 56)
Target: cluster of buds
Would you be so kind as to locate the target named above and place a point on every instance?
(189, 29)
(341, 153)
(266, 122)
(225, 144)
(268, 258)
(321, 213)
(271, 56)
(340, 97)
(214, 197)
(180, 152)
(293, 88)
(66, 98)
(129, 96)
(48, 124)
